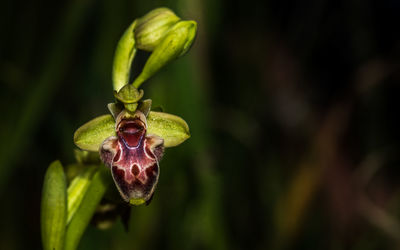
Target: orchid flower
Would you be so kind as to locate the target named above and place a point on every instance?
(130, 140)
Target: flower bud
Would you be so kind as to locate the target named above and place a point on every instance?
(174, 44)
(152, 27)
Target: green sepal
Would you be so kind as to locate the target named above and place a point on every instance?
(123, 57)
(77, 189)
(54, 207)
(173, 129)
(92, 134)
(174, 44)
(152, 27)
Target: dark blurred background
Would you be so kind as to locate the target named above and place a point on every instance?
(292, 107)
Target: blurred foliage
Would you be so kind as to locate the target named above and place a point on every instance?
(291, 105)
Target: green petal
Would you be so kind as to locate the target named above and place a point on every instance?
(173, 129)
(91, 134)
(54, 207)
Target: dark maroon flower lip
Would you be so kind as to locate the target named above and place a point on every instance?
(131, 132)
(131, 125)
(133, 158)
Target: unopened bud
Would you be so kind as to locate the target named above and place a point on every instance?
(174, 44)
(152, 27)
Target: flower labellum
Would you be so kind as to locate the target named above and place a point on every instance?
(133, 156)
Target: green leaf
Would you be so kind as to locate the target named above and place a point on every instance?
(90, 135)
(99, 184)
(174, 44)
(124, 54)
(54, 207)
(77, 189)
(173, 129)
